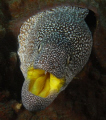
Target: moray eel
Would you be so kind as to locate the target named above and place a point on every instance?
(54, 45)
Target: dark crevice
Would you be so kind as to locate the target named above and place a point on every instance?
(91, 21)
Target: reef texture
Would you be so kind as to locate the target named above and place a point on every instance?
(85, 96)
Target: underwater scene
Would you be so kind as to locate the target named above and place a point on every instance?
(52, 60)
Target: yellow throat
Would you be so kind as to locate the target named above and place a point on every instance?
(42, 83)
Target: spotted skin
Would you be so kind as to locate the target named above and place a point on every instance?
(58, 41)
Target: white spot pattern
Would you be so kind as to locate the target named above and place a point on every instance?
(58, 41)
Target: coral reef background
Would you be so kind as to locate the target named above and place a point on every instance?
(84, 98)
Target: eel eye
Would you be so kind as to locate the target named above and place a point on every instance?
(42, 83)
(69, 59)
(39, 48)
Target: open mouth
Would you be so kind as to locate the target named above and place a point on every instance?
(42, 82)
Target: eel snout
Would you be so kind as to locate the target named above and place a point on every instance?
(40, 89)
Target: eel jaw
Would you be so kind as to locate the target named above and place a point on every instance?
(40, 89)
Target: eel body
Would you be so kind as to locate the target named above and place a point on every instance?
(54, 45)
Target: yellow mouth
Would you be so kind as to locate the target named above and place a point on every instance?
(42, 83)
